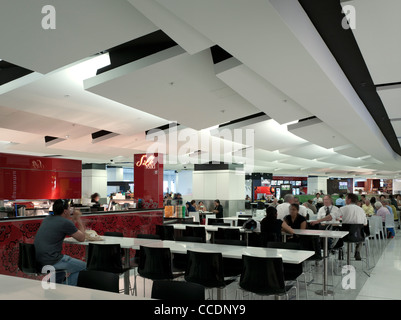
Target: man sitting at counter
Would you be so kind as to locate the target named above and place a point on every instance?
(50, 236)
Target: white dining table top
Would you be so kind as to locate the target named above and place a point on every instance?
(321, 233)
(228, 251)
(236, 252)
(125, 243)
(182, 226)
(17, 288)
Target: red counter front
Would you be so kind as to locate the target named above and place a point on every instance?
(129, 223)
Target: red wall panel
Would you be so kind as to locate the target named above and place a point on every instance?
(29, 177)
(148, 180)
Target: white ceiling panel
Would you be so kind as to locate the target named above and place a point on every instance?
(377, 32)
(391, 98)
(182, 33)
(350, 151)
(397, 127)
(83, 28)
(308, 151)
(182, 88)
(259, 92)
(318, 132)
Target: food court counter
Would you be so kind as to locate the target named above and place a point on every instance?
(15, 230)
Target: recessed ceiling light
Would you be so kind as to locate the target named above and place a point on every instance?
(67, 136)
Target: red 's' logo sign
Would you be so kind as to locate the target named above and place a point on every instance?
(146, 162)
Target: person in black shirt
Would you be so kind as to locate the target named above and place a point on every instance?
(294, 219)
(218, 209)
(95, 199)
(271, 227)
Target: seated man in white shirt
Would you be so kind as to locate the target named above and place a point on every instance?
(284, 208)
(327, 208)
(351, 214)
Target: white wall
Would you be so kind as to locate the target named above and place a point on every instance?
(218, 184)
(396, 186)
(184, 182)
(94, 180)
(315, 184)
(115, 174)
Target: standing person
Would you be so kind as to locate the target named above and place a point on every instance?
(283, 209)
(218, 209)
(340, 202)
(327, 208)
(351, 214)
(294, 219)
(50, 236)
(271, 227)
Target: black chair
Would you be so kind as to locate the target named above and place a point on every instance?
(155, 264)
(255, 239)
(260, 205)
(206, 269)
(228, 234)
(99, 280)
(355, 234)
(248, 205)
(165, 232)
(114, 234)
(291, 271)
(27, 263)
(215, 221)
(107, 258)
(180, 259)
(240, 222)
(177, 290)
(232, 267)
(197, 223)
(148, 236)
(195, 232)
(263, 276)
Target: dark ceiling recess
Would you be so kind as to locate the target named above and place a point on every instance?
(137, 49)
(219, 54)
(10, 72)
(165, 127)
(327, 16)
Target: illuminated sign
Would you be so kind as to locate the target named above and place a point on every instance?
(146, 162)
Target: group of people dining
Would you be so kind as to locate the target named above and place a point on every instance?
(292, 215)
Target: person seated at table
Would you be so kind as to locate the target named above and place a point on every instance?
(50, 236)
(302, 209)
(191, 206)
(295, 220)
(95, 199)
(271, 227)
(283, 208)
(200, 206)
(351, 214)
(398, 201)
(382, 211)
(317, 199)
(218, 209)
(340, 202)
(327, 208)
(368, 208)
(247, 198)
(312, 206)
(372, 202)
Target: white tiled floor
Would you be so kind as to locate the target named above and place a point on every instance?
(383, 283)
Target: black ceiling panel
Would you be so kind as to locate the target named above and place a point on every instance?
(327, 18)
(10, 72)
